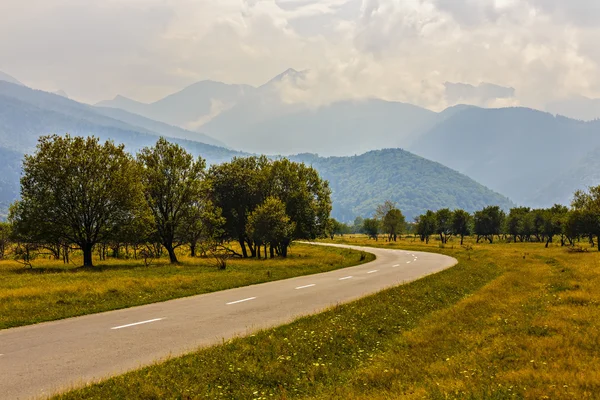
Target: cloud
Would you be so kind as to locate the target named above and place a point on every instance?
(394, 49)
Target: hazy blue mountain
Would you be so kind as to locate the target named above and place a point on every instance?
(189, 108)
(360, 183)
(259, 120)
(51, 113)
(10, 171)
(7, 78)
(157, 127)
(584, 173)
(341, 128)
(515, 151)
(577, 107)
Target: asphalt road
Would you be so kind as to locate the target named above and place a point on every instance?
(41, 360)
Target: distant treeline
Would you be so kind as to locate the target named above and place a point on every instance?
(522, 224)
(77, 193)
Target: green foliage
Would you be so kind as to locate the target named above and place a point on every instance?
(443, 220)
(360, 183)
(172, 184)
(461, 224)
(393, 223)
(371, 227)
(269, 224)
(488, 222)
(76, 190)
(426, 225)
(242, 185)
(5, 235)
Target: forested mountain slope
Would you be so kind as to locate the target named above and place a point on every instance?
(515, 151)
(360, 183)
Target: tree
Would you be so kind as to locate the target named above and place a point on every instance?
(383, 209)
(357, 227)
(553, 222)
(270, 225)
(426, 225)
(203, 225)
(443, 224)
(371, 228)
(75, 189)
(488, 222)
(461, 224)
(306, 196)
(237, 188)
(334, 227)
(588, 204)
(393, 223)
(516, 223)
(5, 235)
(172, 182)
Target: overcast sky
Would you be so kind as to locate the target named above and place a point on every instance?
(394, 49)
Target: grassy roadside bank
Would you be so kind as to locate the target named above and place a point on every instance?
(509, 321)
(314, 356)
(54, 291)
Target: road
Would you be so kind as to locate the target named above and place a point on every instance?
(40, 360)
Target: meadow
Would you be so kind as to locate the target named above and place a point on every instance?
(509, 321)
(52, 290)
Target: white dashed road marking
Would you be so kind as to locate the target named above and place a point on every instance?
(241, 301)
(372, 272)
(396, 265)
(306, 286)
(137, 323)
(346, 277)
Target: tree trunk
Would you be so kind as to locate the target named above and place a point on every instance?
(87, 255)
(193, 249)
(243, 246)
(462, 238)
(172, 255)
(272, 250)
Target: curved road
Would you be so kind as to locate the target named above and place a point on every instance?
(43, 359)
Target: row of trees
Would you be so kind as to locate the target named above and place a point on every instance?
(523, 224)
(77, 191)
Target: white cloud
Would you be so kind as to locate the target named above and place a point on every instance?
(395, 49)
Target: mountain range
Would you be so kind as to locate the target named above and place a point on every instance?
(520, 152)
(358, 183)
(534, 158)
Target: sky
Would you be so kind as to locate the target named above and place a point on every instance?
(404, 50)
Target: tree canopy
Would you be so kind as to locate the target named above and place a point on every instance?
(77, 190)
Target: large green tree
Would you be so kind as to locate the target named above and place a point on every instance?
(371, 228)
(172, 182)
(461, 224)
(443, 219)
(393, 223)
(488, 222)
(77, 190)
(270, 225)
(238, 188)
(306, 196)
(426, 225)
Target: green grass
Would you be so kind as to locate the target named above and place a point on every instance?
(53, 291)
(509, 321)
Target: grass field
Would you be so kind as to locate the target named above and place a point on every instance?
(509, 321)
(53, 290)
